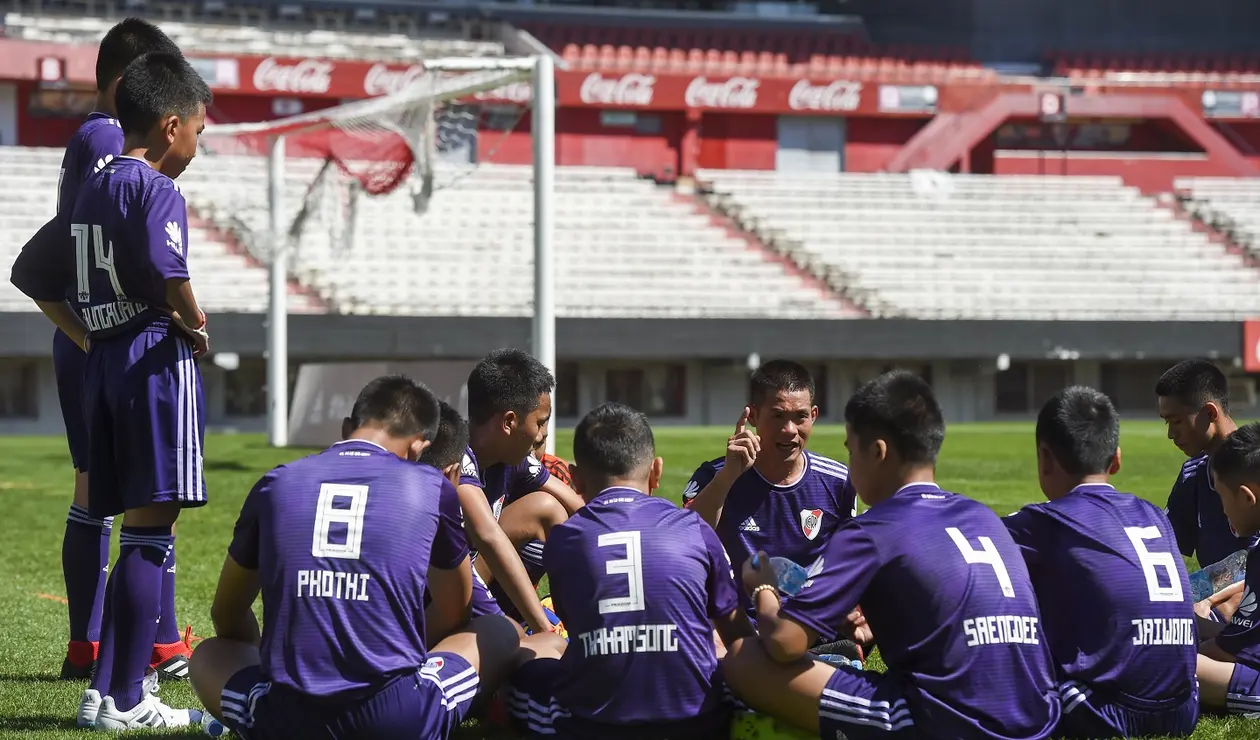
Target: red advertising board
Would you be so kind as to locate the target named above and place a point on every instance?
(1251, 345)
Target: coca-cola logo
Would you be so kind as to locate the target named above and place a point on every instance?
(382, 80)
(737, 92)
(628, 89)
(839, 95)
(307, 76)
(516, 92)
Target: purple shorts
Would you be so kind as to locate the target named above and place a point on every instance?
(69, 363)
(864, 704)
(534, 709)
(1088, 714)
(1243, 696)
(146, 422)
(428, 704)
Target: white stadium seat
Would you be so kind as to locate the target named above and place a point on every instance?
(934, 245)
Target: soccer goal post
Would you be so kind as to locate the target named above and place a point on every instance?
(364, 149)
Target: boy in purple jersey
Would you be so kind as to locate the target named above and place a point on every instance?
(1229, 657)
(1115, 602)
(142, 388)
(640, 584)
(941, 583)
(1194, 404)
(85, 546)
(347, 648)
(509, 406)
(770, 493)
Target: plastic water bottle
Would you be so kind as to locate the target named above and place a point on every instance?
(838, 660)
(1219, 575)
(791, 577)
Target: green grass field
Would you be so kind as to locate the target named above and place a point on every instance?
(990, 462)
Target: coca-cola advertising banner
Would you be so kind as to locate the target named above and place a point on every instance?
(631, 90)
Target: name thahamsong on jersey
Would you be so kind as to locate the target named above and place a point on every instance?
(631, 638)
(329, 584)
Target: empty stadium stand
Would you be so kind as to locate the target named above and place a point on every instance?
(244, 32)
(1157, 68)
(737, 51)
(973, 246)
(224, 277)
(624, 247)
(1231, 205)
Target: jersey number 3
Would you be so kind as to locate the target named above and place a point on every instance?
(631, 566)
(326, 515)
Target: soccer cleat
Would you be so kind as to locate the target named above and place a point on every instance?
(845, 648)
(171, 661)
(150, 713)
(89, 708)
(80, 660)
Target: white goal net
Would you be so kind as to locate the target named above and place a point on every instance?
(343, 203)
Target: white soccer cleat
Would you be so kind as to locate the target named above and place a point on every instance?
(150, 713)
(89, 708)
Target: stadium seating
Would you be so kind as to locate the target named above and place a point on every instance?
(1230, 204)
(411, 44)
(1158, 68)
(624, 247)
(949, 246)
(719, 51)
(225, 279)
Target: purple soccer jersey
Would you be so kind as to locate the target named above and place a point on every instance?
(948, 596)
(343, 541)
(1115, 603)
(1241, 637)
(1197, 517)
(128, 228)
(500, 481)
(793, 521)
(637, 582)
(40, 270)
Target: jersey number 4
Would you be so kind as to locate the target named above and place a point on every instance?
(90, 246)
(986, 555)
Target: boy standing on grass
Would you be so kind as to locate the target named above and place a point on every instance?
(941, 583)
(142, 388)
(1126, 663)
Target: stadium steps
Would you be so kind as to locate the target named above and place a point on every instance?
(1209, 222)
(301, 299)
(828, 281)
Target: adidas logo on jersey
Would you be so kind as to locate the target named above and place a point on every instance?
(749, 526)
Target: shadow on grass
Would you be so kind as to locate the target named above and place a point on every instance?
(32, 678)
(36, 724)
(228, 466)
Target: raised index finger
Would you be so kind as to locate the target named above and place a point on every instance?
(743, 420)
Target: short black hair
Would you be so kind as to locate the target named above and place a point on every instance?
(124, 43)
(778, 376)
(1081, 428)
(1238, 459)
(451, 441)
(613, 441)
(900, 408)
(506, 380)
(404, 407)
(1195, 383)
(155, 86)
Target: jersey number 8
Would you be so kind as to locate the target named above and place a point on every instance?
(326, 516)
